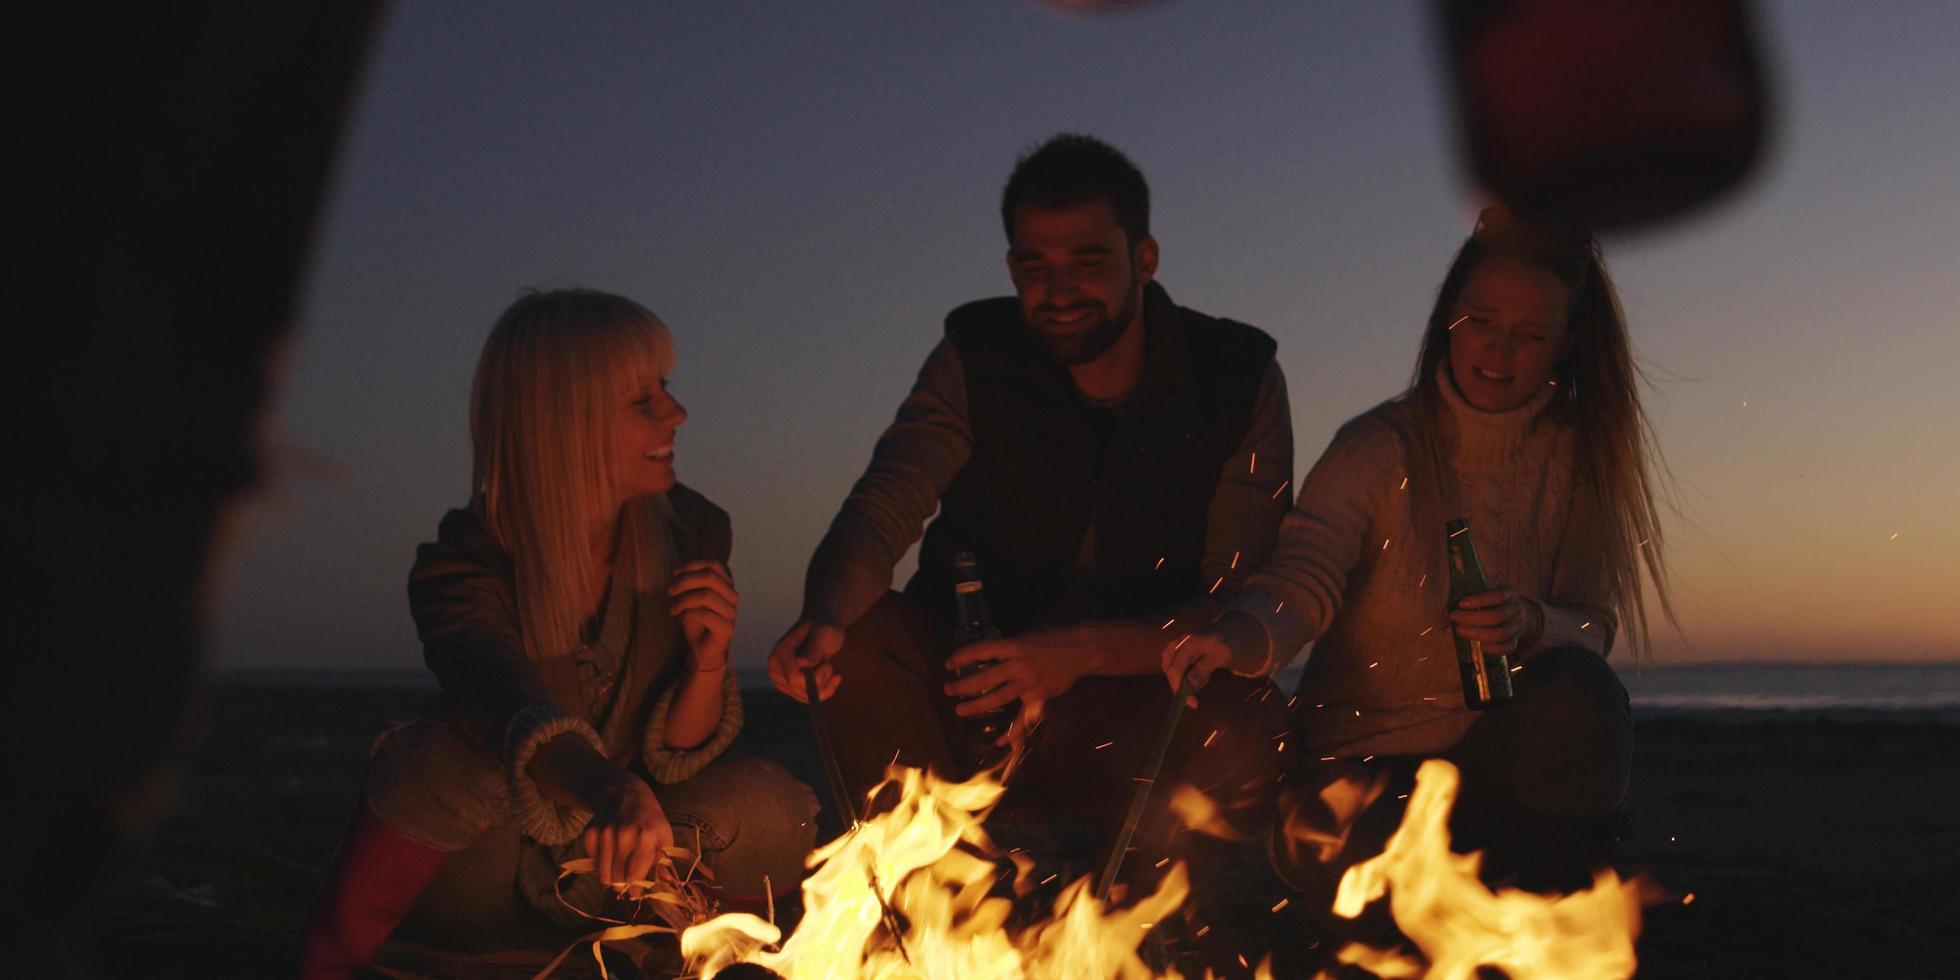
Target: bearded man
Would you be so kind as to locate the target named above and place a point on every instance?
(1117, 464)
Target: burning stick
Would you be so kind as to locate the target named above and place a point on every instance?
(841, 793)
(1140, 795)
(834, 774)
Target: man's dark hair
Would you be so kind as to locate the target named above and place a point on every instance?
(1073, 169)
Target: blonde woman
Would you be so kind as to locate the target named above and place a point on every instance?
(1524, 418)
(577, 616)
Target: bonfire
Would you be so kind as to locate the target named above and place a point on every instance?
(927, 869)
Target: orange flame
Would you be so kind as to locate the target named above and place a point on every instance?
(1459, 925)
(954, 926)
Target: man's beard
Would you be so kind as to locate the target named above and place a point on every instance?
(1085, 344)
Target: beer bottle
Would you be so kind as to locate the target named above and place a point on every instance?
(973, 623)
(1486, 676)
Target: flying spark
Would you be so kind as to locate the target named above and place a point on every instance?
(1104, 745)
(1282, 488)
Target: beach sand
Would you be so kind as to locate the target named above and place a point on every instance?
(1811, 847)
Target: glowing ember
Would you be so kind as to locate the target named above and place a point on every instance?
(1201, 813)
(1459, 925)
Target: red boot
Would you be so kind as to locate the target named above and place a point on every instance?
(373, 882)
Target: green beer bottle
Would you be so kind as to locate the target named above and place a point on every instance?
(1486, 676)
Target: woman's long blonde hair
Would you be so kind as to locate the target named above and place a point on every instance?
(1599, 393)
(553, 377)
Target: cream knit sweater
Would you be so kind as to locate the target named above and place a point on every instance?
(1350, 572)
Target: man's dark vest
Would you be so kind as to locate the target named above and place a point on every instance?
(1025, 499)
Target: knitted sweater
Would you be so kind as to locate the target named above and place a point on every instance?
(614, 692)
(1356, 570)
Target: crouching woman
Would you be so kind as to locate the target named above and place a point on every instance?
(577, 616)
(1523, 418)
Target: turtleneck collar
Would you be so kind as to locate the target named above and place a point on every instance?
(1483, 436)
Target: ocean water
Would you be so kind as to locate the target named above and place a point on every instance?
(1926, 691)
(1899, 692)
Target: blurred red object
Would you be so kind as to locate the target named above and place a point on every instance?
(1607, 113)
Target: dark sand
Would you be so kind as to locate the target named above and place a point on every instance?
(1812, 848)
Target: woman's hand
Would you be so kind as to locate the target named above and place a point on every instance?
(627, 832)
(1197, 656)
(704, 600)
(1502, 620)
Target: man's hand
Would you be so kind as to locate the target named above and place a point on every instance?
(1031, 668)
(808, 645)
(1501, 619)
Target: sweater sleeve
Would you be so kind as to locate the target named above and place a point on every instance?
(914, 461)
(671, 765)
(1297, 592)
(460, 596)
(541, 819)
(1245, 511)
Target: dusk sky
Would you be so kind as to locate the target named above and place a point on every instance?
(801, 190)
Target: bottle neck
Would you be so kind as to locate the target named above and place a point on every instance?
(970, 603)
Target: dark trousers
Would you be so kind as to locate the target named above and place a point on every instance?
(1543, 790)
(1087, 754)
